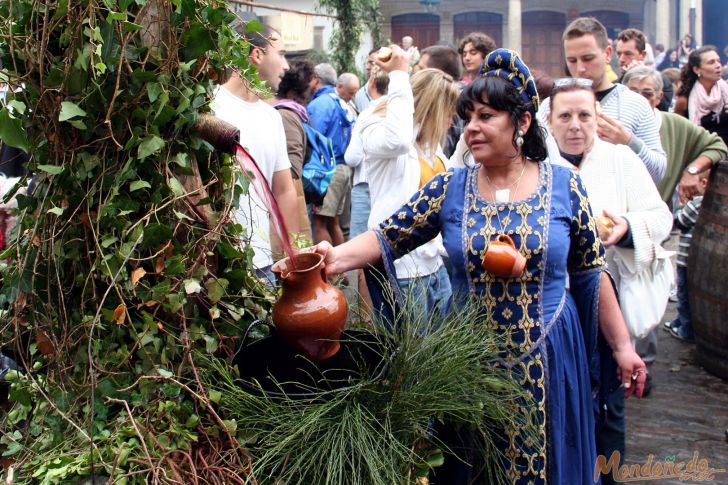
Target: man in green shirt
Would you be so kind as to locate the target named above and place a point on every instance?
(690, 148)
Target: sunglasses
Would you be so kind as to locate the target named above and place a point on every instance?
(572, 81)
(647, 94)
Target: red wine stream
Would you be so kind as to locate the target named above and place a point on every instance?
(262, 188)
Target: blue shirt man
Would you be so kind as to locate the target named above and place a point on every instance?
(330, 115)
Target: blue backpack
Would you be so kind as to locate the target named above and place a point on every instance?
(319, 164)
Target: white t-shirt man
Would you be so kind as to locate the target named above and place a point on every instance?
(262, 135)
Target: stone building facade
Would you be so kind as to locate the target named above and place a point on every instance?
(534, 27)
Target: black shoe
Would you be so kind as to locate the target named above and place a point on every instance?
(681, 334)
(671, 324)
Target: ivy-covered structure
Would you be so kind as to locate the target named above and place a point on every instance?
(125, 264)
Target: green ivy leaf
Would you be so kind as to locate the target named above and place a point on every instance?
(210, 344)
(182, 216)
(18, 106)
(192, 286)
(164, 372)
(11, 131)
(215, 396)
(231, 425)
(70, 110)
(174, 265)
(149, 145)
(153, 91)
(216, 288)
(181, 159)
(131, 26)
(138, 185)
(254, 26)
(106, 242)
(56, 210)
(155, 234)
(51, 169)
(13, 448)
(197, 40)
(78, 124)
(115, 16)
(176, 187)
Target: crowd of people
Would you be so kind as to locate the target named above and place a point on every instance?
(442, 153)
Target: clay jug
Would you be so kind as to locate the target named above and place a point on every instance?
(311, 313)
(503, 259)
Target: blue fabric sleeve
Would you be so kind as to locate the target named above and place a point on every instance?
(418, 221)
(586, 265)
(381, 280)
(586, 250)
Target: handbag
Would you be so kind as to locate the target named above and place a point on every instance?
(644, 292)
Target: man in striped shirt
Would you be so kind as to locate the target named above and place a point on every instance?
(625, 117)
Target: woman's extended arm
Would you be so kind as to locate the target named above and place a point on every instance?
(585, 256)
(412, 225)
(359, 252)
(632, 371)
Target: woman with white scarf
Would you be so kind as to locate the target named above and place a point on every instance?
(703, 94)
(631, 216)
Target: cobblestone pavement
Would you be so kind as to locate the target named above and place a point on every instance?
(687, 411)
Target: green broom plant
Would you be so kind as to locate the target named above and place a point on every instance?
(379, 430)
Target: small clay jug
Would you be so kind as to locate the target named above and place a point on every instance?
(503, 259)
(311, 313)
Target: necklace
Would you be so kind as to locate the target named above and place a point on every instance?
(501, 257)
(504, 194)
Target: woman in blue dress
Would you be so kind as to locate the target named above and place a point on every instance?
(566, 340)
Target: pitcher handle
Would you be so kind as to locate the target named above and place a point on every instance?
(506, 239)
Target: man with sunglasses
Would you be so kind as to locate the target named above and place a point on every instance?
(632, 52)
(364, 96)
(625, 118)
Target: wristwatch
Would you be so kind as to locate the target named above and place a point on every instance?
(692, 170)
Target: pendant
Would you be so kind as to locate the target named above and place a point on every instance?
(503, 195)
(502, 259)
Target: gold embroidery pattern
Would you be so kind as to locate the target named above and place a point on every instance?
(517, 318)
(527, 453)
(589, 252)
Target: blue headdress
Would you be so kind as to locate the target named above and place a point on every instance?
(508, 65)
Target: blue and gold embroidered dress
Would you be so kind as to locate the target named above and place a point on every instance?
(553, 344)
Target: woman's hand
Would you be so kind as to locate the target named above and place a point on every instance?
(397, 61)
(620, 228)
(631, 371)
(325, 249)
(357, 253)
